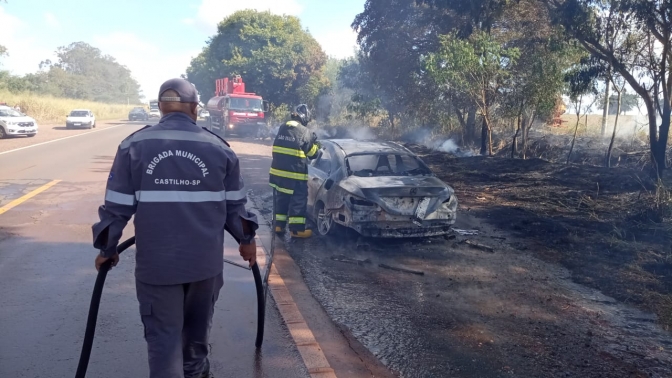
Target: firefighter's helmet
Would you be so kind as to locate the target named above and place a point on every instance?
(301, 114)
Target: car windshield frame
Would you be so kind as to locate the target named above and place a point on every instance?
(79, 113)
(10, 112)
(424, 170)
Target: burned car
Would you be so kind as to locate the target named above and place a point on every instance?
(379, 189)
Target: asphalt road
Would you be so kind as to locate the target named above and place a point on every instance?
(47, 274)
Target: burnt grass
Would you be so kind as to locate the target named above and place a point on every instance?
(599, 223)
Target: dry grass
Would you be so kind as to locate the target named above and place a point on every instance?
(47, 109)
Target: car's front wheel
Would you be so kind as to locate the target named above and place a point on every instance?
(325, 222)
(3, 133)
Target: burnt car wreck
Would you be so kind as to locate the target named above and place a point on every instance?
(379, 189)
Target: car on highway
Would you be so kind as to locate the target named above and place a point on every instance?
(80, 118)
(14, 123)
(154, 113)
(379, 189)
(138, 114)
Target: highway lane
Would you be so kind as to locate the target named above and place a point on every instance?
(46, 277)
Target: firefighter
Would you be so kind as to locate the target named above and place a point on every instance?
(293, 145)
(183, 185)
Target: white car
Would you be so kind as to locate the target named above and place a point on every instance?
(13, 123)
(80, 118)
(155, 113)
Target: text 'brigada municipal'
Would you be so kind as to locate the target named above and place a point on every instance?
(179, 153)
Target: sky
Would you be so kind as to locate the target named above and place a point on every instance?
(154, 39)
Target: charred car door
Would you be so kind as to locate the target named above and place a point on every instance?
(318, 172)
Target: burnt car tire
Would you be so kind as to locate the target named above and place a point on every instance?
(324, 223)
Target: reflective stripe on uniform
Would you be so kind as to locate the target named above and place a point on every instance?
(280, 217)
(282, 190)
(289, 151)
(120, 198)
(173, 135)
(289, 175)
(183, 196)
(312, 151)
(297, 220)
(292, 123)
(235, 195)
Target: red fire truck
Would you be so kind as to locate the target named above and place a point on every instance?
(234, 111)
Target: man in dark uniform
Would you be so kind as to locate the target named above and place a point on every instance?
(293, 145)
(183, 185)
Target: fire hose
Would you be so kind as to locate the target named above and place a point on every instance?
(260, 284)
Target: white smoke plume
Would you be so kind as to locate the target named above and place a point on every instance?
(440, 143)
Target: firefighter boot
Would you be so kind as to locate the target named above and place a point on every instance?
(279, 230)
(302, 234)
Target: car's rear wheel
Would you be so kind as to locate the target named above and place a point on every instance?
(324, 222)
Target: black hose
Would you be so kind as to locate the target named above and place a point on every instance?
(261, 305)
(98, 291)
(93, 310)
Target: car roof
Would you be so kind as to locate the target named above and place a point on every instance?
(353, 146)
(80, 110)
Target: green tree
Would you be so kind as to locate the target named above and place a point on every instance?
(634, 38)
(480, 67)
(274, 55)
(80, 72)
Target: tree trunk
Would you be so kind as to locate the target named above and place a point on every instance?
(613, 134)
(659, 152)
(514, 143)
(489, 138)
(484, 137)
(571, 148)
(605, 110)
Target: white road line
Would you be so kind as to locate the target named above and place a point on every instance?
(68, 137)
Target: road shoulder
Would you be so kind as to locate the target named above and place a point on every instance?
(346, 356)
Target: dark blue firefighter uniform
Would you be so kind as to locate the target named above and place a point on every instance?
(183, 185)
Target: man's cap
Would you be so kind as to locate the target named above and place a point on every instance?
(185, 90)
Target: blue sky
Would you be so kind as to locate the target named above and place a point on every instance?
(155, 39)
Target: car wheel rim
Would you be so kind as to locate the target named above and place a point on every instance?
(323, 222)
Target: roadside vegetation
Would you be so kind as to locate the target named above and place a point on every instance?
(82, 77)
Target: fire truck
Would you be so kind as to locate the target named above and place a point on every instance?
(234, 111)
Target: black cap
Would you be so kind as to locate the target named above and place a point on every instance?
(185, 90)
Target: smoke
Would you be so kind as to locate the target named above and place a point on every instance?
(442, 143)
(341, 132)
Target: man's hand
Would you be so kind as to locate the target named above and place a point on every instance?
(100, 260)
(249, 252)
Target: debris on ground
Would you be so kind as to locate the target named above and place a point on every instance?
(402, 269)
(482, 247)
(466, 232)
(347, 260)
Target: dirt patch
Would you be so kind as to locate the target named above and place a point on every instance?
(597, 222)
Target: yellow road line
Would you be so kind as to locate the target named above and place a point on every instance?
(28, 196)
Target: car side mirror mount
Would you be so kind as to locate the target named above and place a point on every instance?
(328, 184)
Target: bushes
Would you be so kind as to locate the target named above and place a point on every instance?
(48, 109)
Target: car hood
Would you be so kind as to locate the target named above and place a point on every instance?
(381, 189)
(18, 119)
(79, 119)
